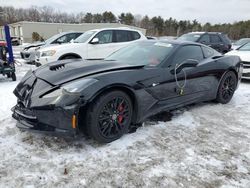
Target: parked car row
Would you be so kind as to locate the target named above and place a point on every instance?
(99, 43)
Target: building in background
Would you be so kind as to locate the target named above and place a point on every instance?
(24, 29)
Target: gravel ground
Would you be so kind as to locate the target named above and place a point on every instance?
(205, 145)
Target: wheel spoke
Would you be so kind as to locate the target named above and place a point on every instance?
(107, 132)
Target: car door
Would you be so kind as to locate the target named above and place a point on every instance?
(198, 82)
(104, 47)
(216, 43)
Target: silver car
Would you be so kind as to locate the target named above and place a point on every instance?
(29, 51)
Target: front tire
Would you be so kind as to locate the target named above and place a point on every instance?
(109, 116)
(227, 88)
(13, 76)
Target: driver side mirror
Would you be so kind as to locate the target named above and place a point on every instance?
(94, 41)
(185, 64)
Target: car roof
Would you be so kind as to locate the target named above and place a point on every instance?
(115, 28)
(205, 32)
(68, 32)
(176, 42)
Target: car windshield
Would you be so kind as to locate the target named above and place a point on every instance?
(245, 47)
(189, 37)
(51, 39)
(143, 53)
(84, 37)
(242, 41)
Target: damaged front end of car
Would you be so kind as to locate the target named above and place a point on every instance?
(44, 107)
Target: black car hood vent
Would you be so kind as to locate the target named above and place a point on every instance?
(56, 67)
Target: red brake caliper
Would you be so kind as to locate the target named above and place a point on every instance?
(120, 117)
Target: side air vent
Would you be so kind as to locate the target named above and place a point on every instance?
(56, 67)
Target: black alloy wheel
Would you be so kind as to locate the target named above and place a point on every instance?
(109, 116)
(227, 87)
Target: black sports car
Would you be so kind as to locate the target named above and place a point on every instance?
(106, 98)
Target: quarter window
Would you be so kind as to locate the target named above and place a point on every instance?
(135, 35)
(188, 52)
(208, 52)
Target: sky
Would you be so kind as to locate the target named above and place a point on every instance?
(213, 11)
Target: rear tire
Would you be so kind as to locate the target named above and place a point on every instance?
(109, 116)
(227, 87)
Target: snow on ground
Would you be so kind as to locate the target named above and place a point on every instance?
(205, 145)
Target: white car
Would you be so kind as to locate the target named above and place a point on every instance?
(93, 44)
(244, 53)
(29, 51)
(240, 42)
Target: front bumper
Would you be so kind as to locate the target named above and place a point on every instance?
(50, 122)
(28, 56)
(246, 70)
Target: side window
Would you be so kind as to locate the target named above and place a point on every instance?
(188, 52)
(208, 52)
(135, 35)
(215, 39)
(204, 39)
(105, 36)
(122, 36)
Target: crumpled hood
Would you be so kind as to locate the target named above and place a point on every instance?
(64, 71)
